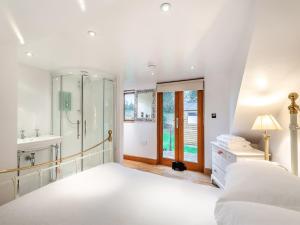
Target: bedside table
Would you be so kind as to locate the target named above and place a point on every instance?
(222, 157)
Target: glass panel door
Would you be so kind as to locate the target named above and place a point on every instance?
(190, 126)
(180, 128)
(168, 125)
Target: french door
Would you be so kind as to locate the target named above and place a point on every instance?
(180, 128)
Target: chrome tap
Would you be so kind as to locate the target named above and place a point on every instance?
(37, 134)
(23, 134)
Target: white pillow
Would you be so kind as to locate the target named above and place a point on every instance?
(262, 182)
(250, 213)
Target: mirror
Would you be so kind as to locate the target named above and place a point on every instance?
(145, 105)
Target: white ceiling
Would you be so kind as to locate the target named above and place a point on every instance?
(130, 34)
(273, 68)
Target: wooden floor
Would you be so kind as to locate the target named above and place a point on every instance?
(192, 176)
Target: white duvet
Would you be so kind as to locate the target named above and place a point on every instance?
(259, 193)
(251, 213)
(114, 195)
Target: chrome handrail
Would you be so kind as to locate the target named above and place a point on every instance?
(58, 161)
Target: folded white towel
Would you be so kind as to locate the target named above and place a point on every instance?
(233, 142)
(236, 147)
(227, 137)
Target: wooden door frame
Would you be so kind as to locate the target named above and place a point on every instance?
(179, 135)
(161, 160)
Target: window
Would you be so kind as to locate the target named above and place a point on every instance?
(139, 105)
(129, 105)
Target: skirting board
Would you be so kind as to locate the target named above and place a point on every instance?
(207, 171)
(141, 159)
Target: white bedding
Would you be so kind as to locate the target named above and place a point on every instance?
(114, 195)
(262, 182)
(259, 193)
(251, 213)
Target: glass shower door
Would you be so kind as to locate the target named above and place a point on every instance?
(108, 117)
(92, 126)
(69, 104)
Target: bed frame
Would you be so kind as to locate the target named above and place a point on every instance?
(56, 167)
(294, 127)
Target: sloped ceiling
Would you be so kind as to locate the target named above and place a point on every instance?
(273, 64)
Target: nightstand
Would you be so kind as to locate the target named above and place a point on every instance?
(222, 157)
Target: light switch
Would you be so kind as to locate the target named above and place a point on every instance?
(214, 115)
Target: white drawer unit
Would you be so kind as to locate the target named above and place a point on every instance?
(222, 157)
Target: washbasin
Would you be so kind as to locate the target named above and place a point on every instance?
(34, 143)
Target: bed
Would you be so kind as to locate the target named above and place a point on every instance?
(259, 193)
(111, 194)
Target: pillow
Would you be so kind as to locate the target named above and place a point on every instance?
(250, 213)
(262, 182)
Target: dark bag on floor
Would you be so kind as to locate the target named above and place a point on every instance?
(178, 166)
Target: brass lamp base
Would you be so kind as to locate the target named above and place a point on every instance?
(267, 146)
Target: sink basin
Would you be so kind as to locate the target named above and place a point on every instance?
(35, 143)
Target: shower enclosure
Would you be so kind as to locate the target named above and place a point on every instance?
(82, 113)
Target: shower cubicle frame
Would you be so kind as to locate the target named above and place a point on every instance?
(81, 74)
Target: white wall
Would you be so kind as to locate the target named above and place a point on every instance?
(34, 111)
(8, 117)
(216, 95)
(8, 112)
(34, 100)
(280, 140)
(223, 54)
(139, 138)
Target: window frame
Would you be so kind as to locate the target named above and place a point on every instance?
(129, 92)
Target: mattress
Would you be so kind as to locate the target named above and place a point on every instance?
(259, 192)
(252, 213)
(111, 194)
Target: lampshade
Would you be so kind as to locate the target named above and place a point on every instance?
(266, 122)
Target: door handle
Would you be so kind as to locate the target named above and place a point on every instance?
(176, 121)
(85, 128)
(78, 123)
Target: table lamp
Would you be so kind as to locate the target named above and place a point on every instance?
(265, 123)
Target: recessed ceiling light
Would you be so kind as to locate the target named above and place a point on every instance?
(165, 7)
(152, 73)
(261, 82)
(192, 67)
(82, 5)
(92, 33)
(29, 54)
